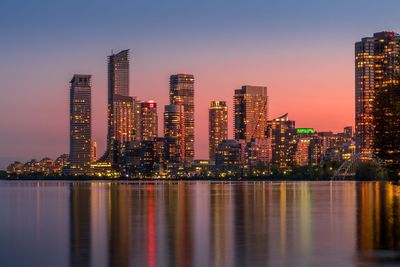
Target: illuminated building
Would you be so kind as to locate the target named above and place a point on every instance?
(31, 166)
(44, 166)
(152, 156)
(218, 125)
(59, 163)
(203, 168)
(174, 134)
(149, 120)
(315, 150)
(250, 112)
(103, 169)
(182, 93)
(93, 151)
(130, 158)
(80, 125)
(376, 68)
(230, 157)
(120, 106)
(302, 151)
(301, 157)
(137, 119)
(15, 168)
(328, 146)
(258, 154)
(122, 125)
(283, 142)
(143, 158)
(348, 132)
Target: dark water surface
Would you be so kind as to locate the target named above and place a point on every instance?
(199, 224)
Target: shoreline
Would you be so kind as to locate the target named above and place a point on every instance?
(246, 179)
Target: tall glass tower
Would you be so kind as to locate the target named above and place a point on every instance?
(376, 68)
(218, 126)
(250, 112)
(182, 93)
(120, 105)
(149, 120)
(80, 125)
(174, 134)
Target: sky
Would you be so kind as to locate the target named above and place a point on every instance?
(303, 51)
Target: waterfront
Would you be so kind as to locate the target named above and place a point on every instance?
(199, 223)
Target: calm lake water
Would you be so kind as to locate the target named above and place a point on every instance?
(199, 224)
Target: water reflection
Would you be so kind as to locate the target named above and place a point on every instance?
(378, 222)
(80, 225)
(200, 224)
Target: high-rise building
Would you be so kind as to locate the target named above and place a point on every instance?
(250, 112)
(120, 105)
(118, 74)
(122, 125)
(376, 68)
(137, 119)
(174, 134)
(182, 93)
(283, 142)
(149, 120)
(218, 125)
(80, 125)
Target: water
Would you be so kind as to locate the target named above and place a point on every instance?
(199, 224)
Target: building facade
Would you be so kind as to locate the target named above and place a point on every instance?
(218, 125)
(230, 157)
(80, 125)
(174, 134)
(148, 120)
(250, 112)
(182, 93)
(283, 142)
(258, 155)
(120, 106)
(376, 68)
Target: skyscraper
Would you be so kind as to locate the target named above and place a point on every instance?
(182, 92)
(218, 125)
(137, 119)
(80, 125)
(120, 105)
(283, 142)
(376, 68)
(123, 119)
(251, 112)
(174, 133)
(149, 120)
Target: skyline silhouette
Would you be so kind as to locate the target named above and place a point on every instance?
(303, 53)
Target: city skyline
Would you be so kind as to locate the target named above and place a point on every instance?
(258, 63)
(200, 133)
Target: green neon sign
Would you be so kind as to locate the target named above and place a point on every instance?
(305, 130)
